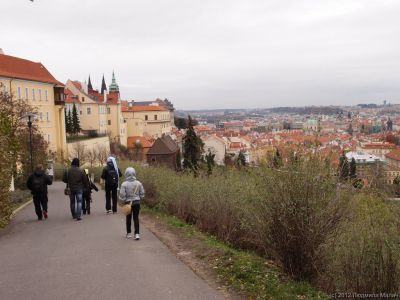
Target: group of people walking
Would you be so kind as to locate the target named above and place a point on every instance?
(79, 187)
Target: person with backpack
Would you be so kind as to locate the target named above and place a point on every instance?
(37, 183)
(132, 192)
(87, 194)
(77, 182)
(111, 174)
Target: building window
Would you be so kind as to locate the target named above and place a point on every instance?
(49, 138)
(45, 95)
(83, 99)
(109, 122)
(40, 95)
(80, 112)
(155, 117)
(88, 110)
(19, 93)
(26, 94)
(108, 110)
(41, 116)
(146, 117)
(33, 94)
(47, 117)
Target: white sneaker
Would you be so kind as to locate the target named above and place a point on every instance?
(137, 236)
(128, 235)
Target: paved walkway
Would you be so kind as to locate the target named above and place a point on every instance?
(61, 258)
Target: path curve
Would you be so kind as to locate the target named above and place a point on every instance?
(61, 258)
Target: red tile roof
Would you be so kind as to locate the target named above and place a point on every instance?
(142, 140)
(379, 146)
(19, 68)
(70, 97)
(139, 108)
(394, 154)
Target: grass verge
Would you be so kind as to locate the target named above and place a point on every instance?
(248, 274)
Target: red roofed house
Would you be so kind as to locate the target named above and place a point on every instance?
(33, 83)
(146, 120)
(139, 147)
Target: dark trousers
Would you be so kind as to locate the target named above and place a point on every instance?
(40, 202)
(111, 193)
(135, 215)
(86, 202)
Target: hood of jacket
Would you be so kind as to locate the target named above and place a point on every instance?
(130, 174)
(39, 173)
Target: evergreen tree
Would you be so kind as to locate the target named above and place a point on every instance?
(69, 123)
(241, 160)
(353, 169)
(277, 160)
(193, 147)
(178, 161)
(66, 121)
(343, 167)
(350, 129)
(76, 127)
(210, 162)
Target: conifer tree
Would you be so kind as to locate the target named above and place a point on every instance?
(353, 168)
(210, 162)
(76, 127)
(193, 147)
(277, 159)
(241, 160)
(343, 167)
(68, 124)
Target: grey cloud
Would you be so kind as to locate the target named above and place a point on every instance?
(215, 54)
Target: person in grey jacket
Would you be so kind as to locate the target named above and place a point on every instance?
(132, 192)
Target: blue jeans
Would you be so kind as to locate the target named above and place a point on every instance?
(76, 203)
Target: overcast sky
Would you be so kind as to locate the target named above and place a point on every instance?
(216, 53)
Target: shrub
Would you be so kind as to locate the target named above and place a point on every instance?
(365, 257)
(301, 208)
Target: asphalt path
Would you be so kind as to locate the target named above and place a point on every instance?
(61, 258)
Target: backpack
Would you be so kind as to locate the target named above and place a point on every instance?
(37, 185)
(112, 178)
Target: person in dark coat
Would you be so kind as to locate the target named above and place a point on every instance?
(87, 194)
(77, 182)
(37, 183)
(111, 174)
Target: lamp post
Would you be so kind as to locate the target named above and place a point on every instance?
(30, 119)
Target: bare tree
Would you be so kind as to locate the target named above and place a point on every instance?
(79, 151)
(103, 154)
(92, 156)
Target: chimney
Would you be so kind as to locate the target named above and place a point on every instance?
(1, 51)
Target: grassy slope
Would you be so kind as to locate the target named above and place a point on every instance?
(245, 271)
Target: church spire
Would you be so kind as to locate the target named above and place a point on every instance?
(113, 86)
(103, 85)
(90, 87)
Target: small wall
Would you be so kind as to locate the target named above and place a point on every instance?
(100, 144)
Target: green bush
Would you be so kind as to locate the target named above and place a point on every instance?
(365, 256)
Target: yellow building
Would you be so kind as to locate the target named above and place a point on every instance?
(92, 114)
(33, 83)
(146, 120)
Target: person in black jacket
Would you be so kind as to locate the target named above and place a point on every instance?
(37, 183)
(111, 175)
(87, 194)
(77, 181)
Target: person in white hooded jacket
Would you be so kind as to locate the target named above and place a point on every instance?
(132, 192)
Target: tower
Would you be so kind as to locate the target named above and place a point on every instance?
(103, 85)
(90, 87)
(113, 86)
